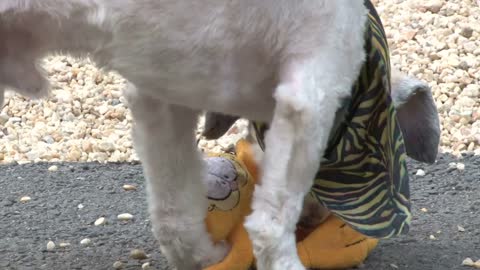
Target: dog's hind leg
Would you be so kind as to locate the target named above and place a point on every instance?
(165, 142)
(295, 143)
(307, 98)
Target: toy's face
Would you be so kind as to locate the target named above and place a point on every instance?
(224, 181)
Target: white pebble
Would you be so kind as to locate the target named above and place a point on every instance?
(64, 245)
(25, 199)
(420, 172)
(468, 262)
(432, 237)
(146, 266)
(117, 265)
(15, 119)
(125, 216)
(3, 119)
(424, 210)
(85, 242)
(100, 221)
(452, 165)
(129, 187)
(138, 254)
(460, 228)
(50, 245)
(53, 168)
(460, 166)
(80, 206)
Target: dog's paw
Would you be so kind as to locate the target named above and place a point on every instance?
(215, 254)
(273, 242)
(263, 227)
(285, 263)
(281, 256)
(266, 235)
(194, 258)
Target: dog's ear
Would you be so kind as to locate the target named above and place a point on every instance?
(2, 96)
(24, 77)
(19, 56)
(217, 124)
(418, 117)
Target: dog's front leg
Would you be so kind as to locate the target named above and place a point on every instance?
(306, 102)
(164, 140)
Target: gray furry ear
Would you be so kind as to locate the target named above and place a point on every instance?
(2, 96)
(19, 58)
(217, 124)
(23, 77)
(418, 117)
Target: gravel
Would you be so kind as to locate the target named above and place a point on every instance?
(85, 117)
(439, 42)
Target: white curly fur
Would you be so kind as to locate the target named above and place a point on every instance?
(289, 62)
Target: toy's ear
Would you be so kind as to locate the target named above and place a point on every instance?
(418, 117)
(245, 155)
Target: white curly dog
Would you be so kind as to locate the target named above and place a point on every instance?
(286, 62)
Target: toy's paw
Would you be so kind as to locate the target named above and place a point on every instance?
(335, 245)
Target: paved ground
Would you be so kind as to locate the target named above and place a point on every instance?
(451, 198)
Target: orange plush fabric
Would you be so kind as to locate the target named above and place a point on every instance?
(332, 245)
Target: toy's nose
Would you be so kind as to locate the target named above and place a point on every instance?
(222, 168)
(221, 177)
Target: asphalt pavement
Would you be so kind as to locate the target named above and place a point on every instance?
(65, 204)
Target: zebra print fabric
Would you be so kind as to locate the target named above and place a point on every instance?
(363, 178)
